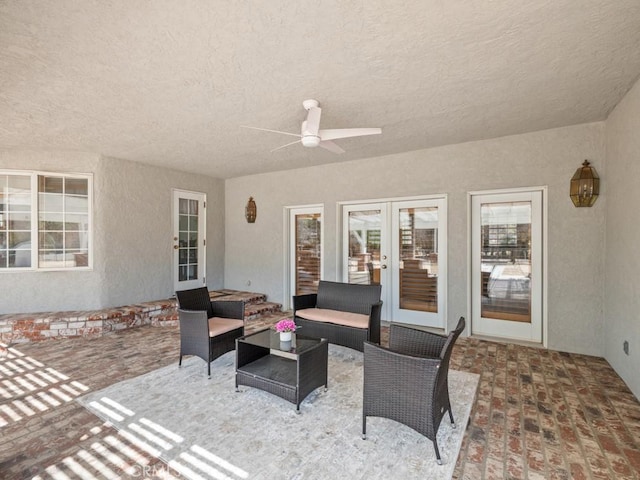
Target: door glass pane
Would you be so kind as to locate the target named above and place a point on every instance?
(182, 273)
(187, 235)
(505, 240)
(364, 246)
(308, 252)
(183, 239)
(418, 241)
(193, 272)
(184, 223)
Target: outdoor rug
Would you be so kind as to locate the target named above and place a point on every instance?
(203, 429)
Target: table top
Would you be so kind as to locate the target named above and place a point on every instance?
(270, 339)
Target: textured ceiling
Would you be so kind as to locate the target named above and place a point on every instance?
(170, 82)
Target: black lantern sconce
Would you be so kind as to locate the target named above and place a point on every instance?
(585, 186)
(250, 211)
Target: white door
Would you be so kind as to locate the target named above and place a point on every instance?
(402, 246)
(507, 265)
(189, 227)
(419, 256)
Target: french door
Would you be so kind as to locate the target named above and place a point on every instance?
(402, 246)
(189, 227)
(507, 250)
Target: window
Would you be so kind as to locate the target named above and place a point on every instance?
(44, 221)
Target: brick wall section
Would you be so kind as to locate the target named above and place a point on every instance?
(33, 327)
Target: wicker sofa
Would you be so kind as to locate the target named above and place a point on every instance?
(343, 313)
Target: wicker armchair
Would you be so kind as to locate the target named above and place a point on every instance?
(408, 382)
(208, 329)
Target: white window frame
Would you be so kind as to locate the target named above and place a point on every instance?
(35, 237)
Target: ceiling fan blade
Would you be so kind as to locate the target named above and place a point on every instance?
(312, 124)
(273, 131)
(332, 147)
(286, 145)
(333, 134)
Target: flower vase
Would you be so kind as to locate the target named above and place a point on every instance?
(285, 336)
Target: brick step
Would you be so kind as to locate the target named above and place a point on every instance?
(28, 327)
(255, 310)
(256, 306)
(249, 298)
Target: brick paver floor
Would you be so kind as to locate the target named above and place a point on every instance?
(538, 414)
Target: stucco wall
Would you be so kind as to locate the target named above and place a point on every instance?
(134, 232)
(132, 236)
(622, 259)
(255, 252)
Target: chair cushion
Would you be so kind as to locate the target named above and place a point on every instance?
(348, 319)
(219, 325)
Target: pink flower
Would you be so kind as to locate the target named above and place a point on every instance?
(285, 325)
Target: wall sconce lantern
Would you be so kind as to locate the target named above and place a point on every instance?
(250, 211)
(585, 186)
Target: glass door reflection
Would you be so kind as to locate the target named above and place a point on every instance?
(365, 227)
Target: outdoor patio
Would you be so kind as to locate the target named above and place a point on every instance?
(539, 414)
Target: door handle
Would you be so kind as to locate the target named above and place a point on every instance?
(383, 267)
(176, 247)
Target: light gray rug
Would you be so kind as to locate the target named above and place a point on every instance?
(204, 429)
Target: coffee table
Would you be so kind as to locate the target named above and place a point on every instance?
(290, 370)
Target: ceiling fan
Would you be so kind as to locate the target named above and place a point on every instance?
(312, 136)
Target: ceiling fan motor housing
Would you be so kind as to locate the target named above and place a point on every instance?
(310, 140)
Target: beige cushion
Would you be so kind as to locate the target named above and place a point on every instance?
(218, 325)
(348, 319)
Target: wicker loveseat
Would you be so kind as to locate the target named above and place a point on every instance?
(343, 313)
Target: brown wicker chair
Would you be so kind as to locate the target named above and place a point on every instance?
(408, 382)
(208, 329)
